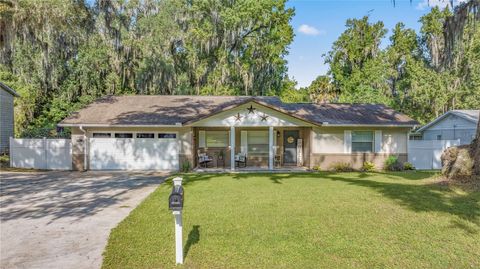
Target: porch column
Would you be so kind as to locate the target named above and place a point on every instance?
(232, 148)
(271, 153)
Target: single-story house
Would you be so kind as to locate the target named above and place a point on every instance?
(7, 121)
(166, 132)
(453, 125)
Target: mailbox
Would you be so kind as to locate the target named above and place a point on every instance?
(175, 201)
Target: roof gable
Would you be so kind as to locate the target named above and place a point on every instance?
(251, 113)
(466, 115)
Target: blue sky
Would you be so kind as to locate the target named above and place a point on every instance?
(318, 23)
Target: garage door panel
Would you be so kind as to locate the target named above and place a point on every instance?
(133, 154)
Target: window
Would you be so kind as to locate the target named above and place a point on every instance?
(102, 135)
(167, 135)
(216, 139)
(439, 137)
(257, 143)
(145, 135)
(362, 141)
(123, 135)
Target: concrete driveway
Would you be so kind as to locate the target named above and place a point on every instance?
(63, 219)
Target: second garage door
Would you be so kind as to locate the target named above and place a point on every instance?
(133, 154)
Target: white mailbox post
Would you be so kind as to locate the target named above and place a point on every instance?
(176, 205)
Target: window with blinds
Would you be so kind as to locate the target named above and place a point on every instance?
(216, 139)
(257, 143)
(362, 141)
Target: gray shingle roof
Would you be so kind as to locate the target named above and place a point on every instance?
(468, 114)
(471, 115)
(178, 109)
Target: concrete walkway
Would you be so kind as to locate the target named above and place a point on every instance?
(63, 219)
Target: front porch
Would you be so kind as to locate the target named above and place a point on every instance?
(253, 169)
(269, 148)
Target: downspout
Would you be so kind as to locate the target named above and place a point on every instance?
(84, 148)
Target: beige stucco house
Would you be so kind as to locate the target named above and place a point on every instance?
(166, 132)
(7, 121)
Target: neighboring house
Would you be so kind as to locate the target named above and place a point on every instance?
(165, 132)
(453, 125)
(7, 127)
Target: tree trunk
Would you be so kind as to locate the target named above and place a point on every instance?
(475, 148)
(463, 162)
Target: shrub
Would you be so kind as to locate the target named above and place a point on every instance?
(341, 167)
(186, 167)
(392, 164)
(368, 167)
(317, 168)
(408, 166)
(4, 160)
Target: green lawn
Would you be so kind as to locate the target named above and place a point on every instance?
(311, 220)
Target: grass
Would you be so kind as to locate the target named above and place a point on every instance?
(311, 220)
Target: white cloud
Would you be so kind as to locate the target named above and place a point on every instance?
(309, 30)
(438, 3)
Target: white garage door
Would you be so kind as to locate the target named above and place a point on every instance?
(133, 154)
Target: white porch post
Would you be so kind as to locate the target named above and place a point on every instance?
(270, 148)
(232, 148)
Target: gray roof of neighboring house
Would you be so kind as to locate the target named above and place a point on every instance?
(150, 110)
(471, 115)
(9, 90)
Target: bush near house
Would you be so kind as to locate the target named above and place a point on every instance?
(408, 166)
(4, 161)
(341, 167)
(368, 167)
(392, 164)
(186, 167)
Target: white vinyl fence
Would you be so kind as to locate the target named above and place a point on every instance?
(54, 154)
(425, 154)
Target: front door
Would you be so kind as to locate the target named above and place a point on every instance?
(290, 147)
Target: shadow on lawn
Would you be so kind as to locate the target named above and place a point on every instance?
(193, 238)
(66, 194)
(426, 198)
(416, 197)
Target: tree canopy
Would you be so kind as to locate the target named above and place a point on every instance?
(413, 74)
(62, 54)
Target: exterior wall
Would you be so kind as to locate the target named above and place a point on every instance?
(328, 147)
(78, 149)
(6, 120)
(184, 136)
(452, 127)
(356, 160)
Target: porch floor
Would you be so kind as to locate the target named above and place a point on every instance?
(251, 169)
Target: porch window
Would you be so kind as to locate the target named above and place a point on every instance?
(102, 135)
(123, 135)
(362, 141)
(145, 135)
(167, 135)
(257, 143)
(216, 139)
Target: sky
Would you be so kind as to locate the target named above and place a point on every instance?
(318, 23)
